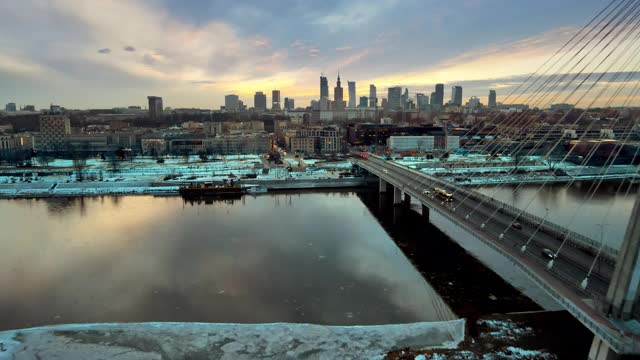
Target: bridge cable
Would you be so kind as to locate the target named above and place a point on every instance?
(565, 74)
(549, 78)
(573, 92)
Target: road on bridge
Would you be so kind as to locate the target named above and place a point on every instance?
(572, 264)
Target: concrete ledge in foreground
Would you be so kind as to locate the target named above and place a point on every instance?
(224, 341)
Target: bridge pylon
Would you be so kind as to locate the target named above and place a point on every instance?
(382, 186)
(622, 295)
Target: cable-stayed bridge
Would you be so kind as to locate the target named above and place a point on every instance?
(596, 69)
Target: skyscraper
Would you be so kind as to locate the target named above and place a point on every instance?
(363, 102)
(405, 100)
(352, 93)
(275, 100)
(395, 98)
(155, 106)
(456, 96)
(337, 96)
(439, 95)
(373, 100)
(289, 104)
(492, 99)
(324, 93)
(422, 101)
(324, 87)
(231, 103)
(260, 101)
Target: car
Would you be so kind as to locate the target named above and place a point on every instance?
(516, 226)
(548, 253)
(426, 192)
(385, 171)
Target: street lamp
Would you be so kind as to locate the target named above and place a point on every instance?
(524, 247)
(585, 281)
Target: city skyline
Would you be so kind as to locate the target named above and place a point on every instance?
(194, 53)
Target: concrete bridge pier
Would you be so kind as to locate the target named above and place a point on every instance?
(397, 196)
(600, 350)
(407, 199)
(382, 186)
(425, 212)
(622, 295)
(398, 213)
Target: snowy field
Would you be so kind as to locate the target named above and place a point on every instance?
(481, 170)
(147, 176)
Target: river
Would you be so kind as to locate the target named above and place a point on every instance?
(573, 207)
(304, 257)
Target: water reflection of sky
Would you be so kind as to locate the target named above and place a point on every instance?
(563, 202)
(312, 257)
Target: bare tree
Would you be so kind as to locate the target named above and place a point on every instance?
(79, 165)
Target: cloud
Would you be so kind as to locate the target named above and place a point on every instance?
(298, 44)
(501, 60)
(353, 15)
(344, 48)
(261, 41)
(20, 65)
(174, 52)
(314, 52)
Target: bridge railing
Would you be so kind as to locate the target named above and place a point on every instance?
(575, 239)
(618, 342)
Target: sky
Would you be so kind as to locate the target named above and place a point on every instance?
(112, 53)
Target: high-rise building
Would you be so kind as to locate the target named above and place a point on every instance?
(324, 93)
(10, 107)
(492, 99)
(260, 101)
(53, 129)
(423, 101)
(395, 98)
(439, 95)
(373, 100)
(473, 103)
(231, 103)
(433, 98)
(275, 100)
(385, 104)
(155, 106)
(29, 108)
(337, 96)
(289, 104)
(363, 102)
(405, 100)
(324, 87)
(352, 93)
(456, 96)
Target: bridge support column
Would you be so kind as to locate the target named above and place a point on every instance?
(622, 294)
(425, 212)
(382, 186)
(600, 350)
(407, 199)
(397, 196)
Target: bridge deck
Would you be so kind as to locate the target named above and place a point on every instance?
(561, 282)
